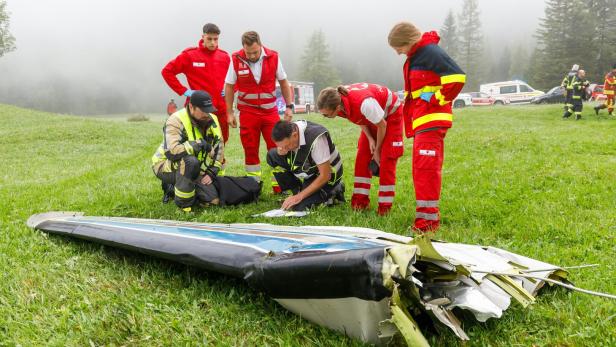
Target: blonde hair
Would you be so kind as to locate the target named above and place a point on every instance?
(329, 98)
(402, 34)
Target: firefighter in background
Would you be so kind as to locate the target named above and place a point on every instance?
(567, 84)
(191, 153)
(432, 80)
(609, 88)
(253, 72)
(377, 111)
(578, 86)
(205, 67)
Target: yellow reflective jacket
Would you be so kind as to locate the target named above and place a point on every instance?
(181, 136)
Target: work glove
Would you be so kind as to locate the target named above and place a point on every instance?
(426, 96)
(202, 146)
(188, 93)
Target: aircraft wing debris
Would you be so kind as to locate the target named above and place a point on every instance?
(362, 282)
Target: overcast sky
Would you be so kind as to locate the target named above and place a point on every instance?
(126, 43)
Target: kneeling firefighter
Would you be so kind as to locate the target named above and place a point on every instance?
(190, 158)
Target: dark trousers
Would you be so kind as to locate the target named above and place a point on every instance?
(568, 109)
(575, 107)
(288, 181)
(183, 183)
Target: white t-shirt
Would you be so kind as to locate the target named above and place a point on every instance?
(320, 151)
(256, 69)
(371, 109)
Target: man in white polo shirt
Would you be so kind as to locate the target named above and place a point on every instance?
(306, 162)
(253, 73)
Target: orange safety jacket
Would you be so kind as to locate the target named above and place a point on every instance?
(609, 86)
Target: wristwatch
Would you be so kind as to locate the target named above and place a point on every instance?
(291, 106)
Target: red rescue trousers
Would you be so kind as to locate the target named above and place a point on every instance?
(224, 124)
(252, 127)
(391, 151)
(609, 103)
(428, 153)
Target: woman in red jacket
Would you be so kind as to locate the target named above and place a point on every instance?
(376, 110)
(432, 80)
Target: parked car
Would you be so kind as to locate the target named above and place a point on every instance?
(596, 92)
(516, 92)
(462, 100)
(483, 99)
(555, 95)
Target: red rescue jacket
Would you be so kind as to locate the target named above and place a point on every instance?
(252, 97)
(204, 70)
(358, 92)
(428, 69)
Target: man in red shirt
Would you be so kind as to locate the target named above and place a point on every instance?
(253, 73)
(205, 68)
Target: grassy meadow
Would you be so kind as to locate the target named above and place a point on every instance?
(515, 177)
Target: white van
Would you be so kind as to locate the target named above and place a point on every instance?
(515, 91)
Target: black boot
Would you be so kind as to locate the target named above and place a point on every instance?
(168, 192)
(597, 110)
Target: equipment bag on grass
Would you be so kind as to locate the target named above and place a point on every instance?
(237, 190)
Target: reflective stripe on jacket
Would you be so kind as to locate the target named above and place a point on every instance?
(428, 69)
(180, 137)
(253, 97)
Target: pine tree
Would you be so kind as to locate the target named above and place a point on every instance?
(7, 41)
(602, 15)
(566, 36)
(471, 43)
(449, 35)
(316, 65)
(502, 66)
(519, 63)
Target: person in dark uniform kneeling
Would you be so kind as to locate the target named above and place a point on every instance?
(306, 162)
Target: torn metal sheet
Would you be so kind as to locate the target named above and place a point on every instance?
(362, 282)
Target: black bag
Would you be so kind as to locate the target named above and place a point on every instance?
(237, 190)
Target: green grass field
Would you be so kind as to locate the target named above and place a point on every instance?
(519, 178)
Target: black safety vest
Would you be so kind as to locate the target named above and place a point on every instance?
(579, 88)
(301, 162)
